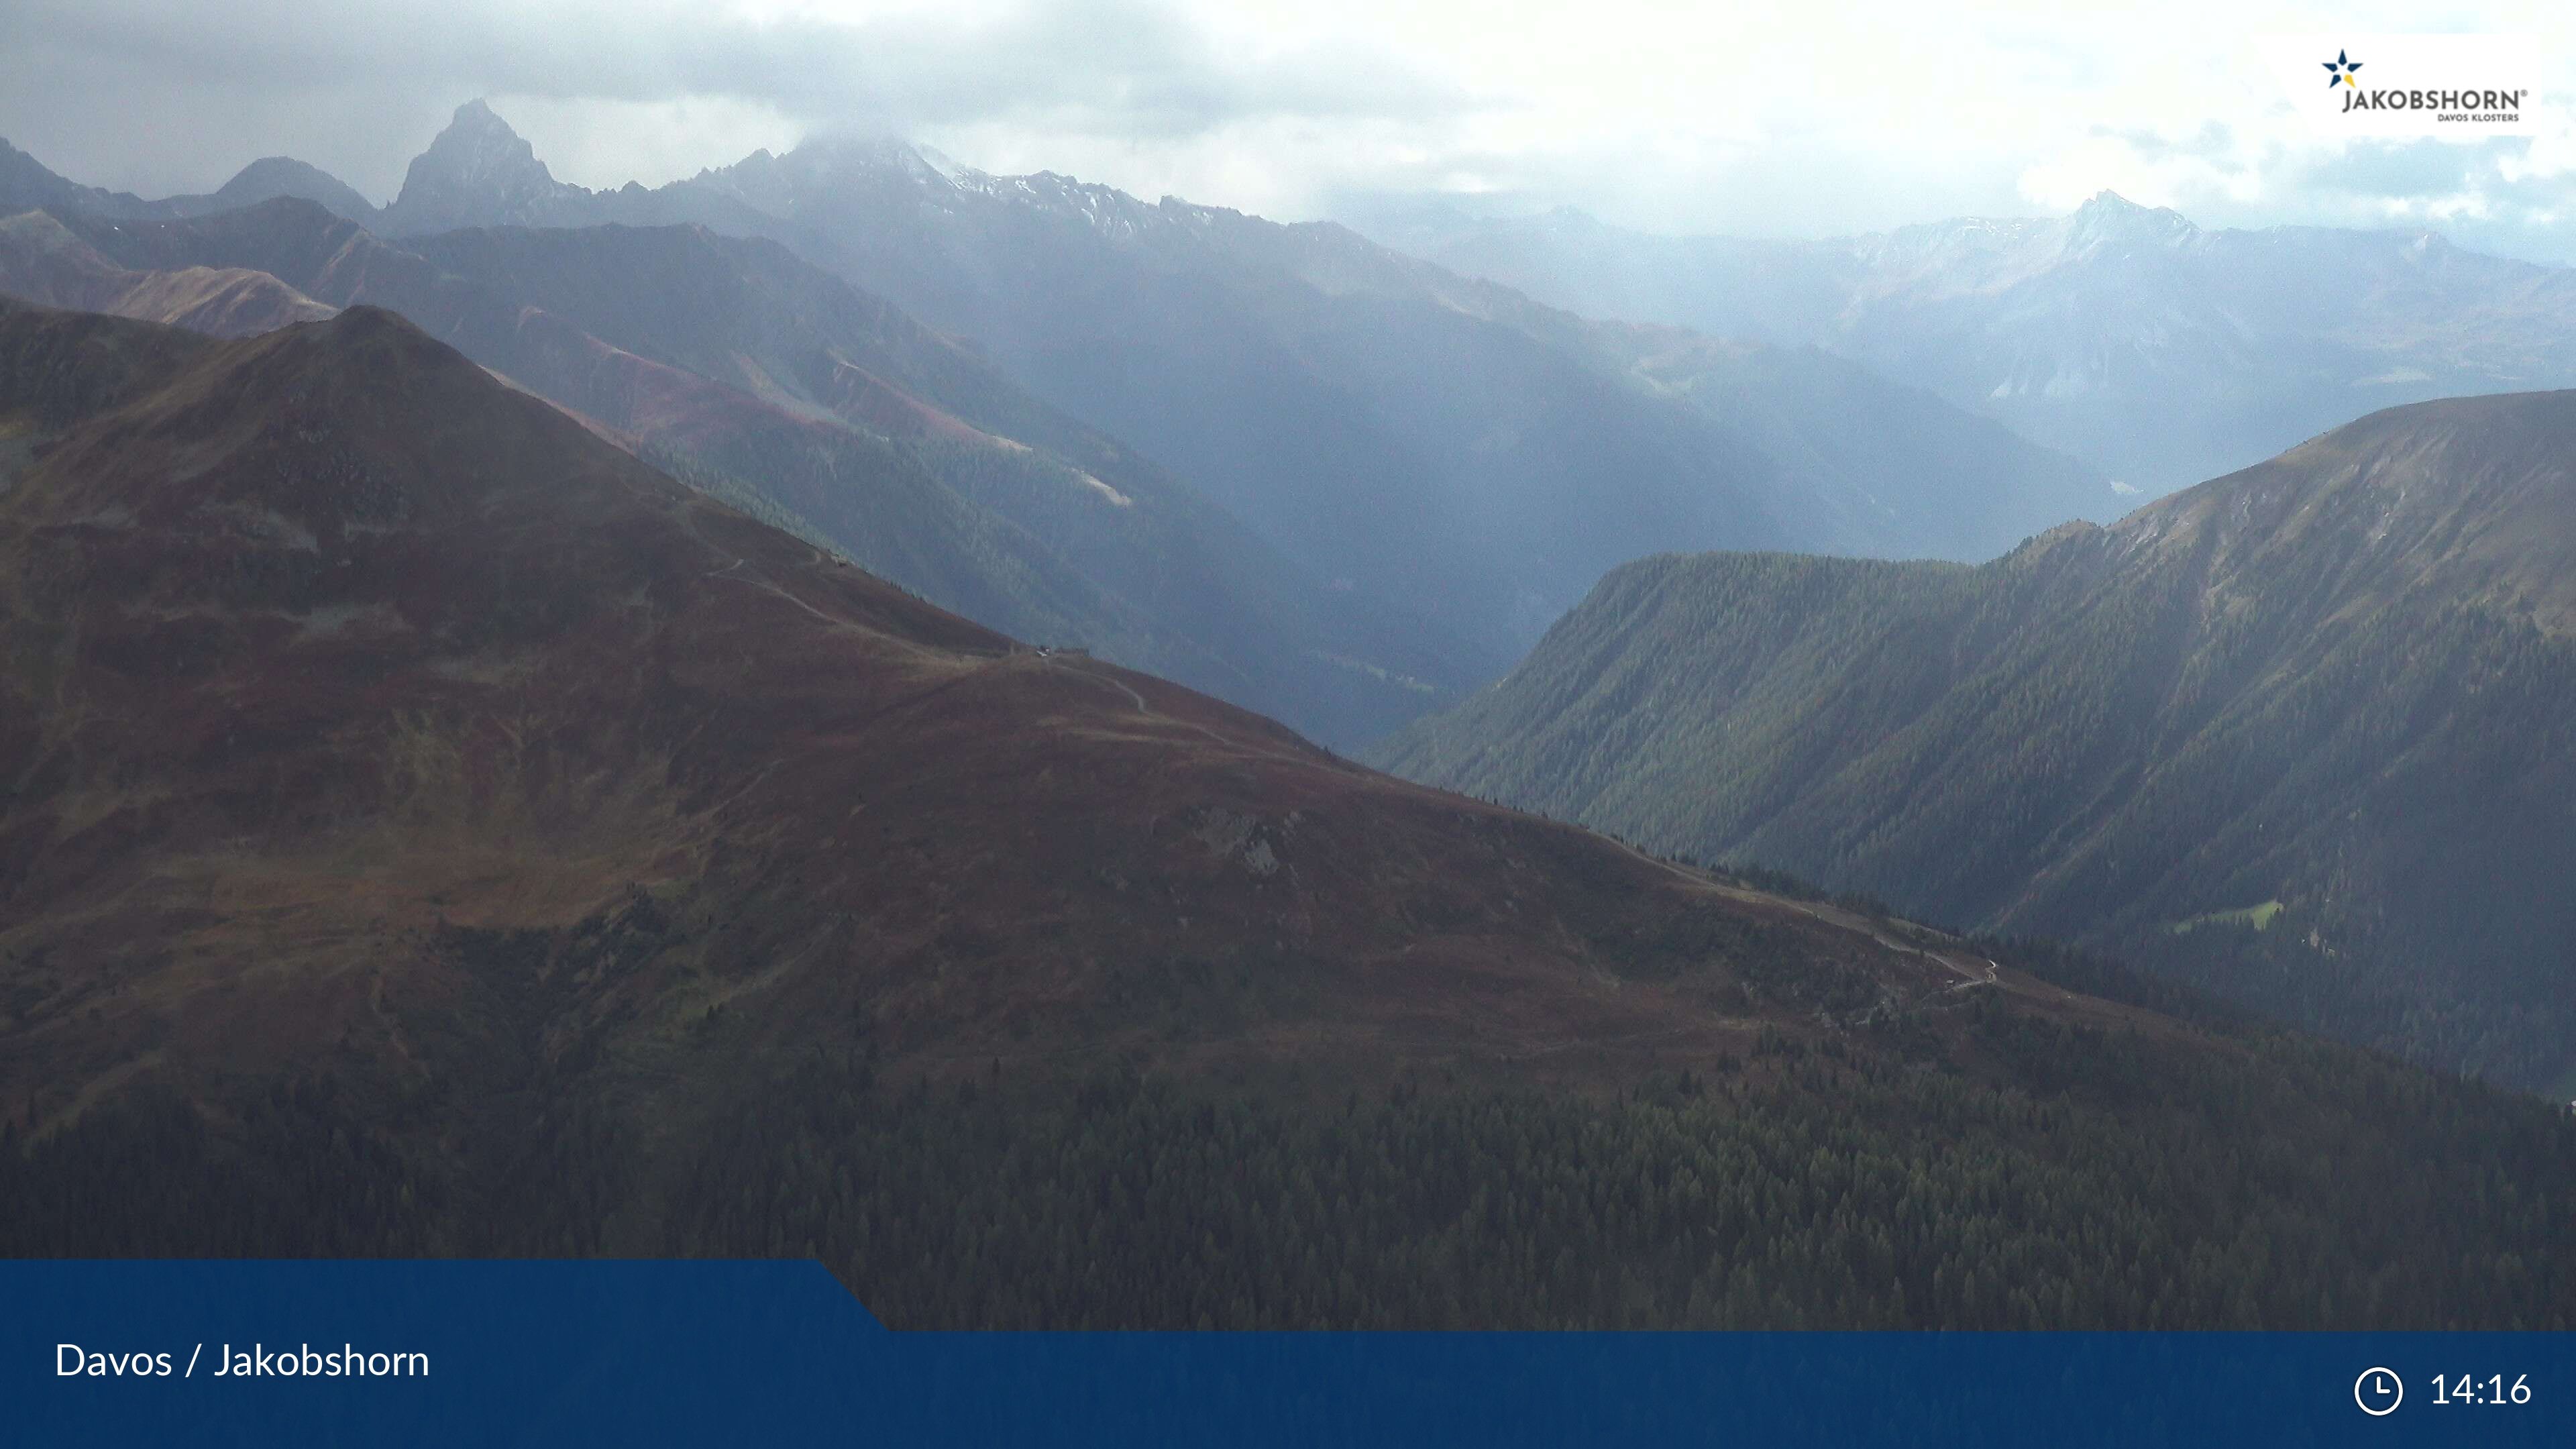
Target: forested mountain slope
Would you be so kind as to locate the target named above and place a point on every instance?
(2306, 734)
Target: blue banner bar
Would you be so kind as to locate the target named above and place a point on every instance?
(384, 1353)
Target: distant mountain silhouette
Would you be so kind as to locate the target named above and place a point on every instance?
(479, 172)
(2154, 350)
(26, 185)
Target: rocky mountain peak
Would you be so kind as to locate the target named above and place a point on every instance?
(2113, 219)
(478, 172)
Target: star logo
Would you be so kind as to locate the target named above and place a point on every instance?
(2339, 71)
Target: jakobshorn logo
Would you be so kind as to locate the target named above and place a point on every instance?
(2455, 87)
(2488, 104)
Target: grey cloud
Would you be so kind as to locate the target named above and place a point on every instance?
(2398, 170)
(1827, 186)
(2214, 141)
(183, 80)
(2407, 184)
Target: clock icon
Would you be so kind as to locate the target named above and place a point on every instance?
(2378, 1392)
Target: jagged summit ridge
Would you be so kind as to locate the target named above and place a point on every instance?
(2110, 218)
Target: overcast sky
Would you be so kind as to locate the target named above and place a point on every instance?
(1797, 120)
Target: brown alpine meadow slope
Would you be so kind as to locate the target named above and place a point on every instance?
(325, 647)
(43, 261)
(424, 828)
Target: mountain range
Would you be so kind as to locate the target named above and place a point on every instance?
(25, 184)
(1502, 454)
(2301, 734)
(432, 663)
(41, 260)
(2157, 351)
(780, 386)
(426, 829)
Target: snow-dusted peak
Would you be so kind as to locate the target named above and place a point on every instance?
(865, 152)
(940, 163)
(2112, 219)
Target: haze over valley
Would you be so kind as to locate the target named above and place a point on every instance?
(2158, 352)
